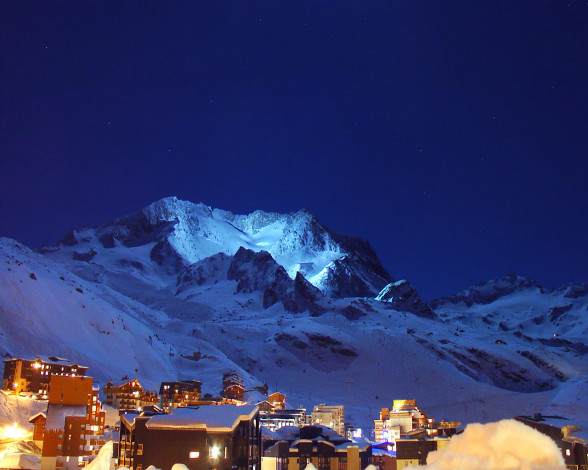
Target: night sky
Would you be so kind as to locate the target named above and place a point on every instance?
(453, 135)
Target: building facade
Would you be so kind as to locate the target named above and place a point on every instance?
(277, 400)
(574, 449)
(233, 388)
(332, 416)
(74, 426)
(316, 445)
(128, 395)
(180, 393)
(207, 437)
(413, 451)
(277, 419)
(33, 375)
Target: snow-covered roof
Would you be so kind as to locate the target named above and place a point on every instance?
(120, 383)
(574, 430)
(221, 418)
(47, 359)
(56, 414)
(345, 445)
(253, 396)
(390, 453)
(38, 415)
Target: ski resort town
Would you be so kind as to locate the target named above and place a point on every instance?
(238, 429)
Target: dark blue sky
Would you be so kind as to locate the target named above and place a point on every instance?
(453, 135)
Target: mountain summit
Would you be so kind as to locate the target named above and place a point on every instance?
(180, 233)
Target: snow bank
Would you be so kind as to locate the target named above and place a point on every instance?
(179, 466)
(504, 445)
(103, 460)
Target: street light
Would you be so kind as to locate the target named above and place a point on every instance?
(214, 452)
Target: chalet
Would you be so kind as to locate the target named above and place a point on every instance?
(294, 448)
(220, 437)
(38, 421)
(278, 400)
(234, 392)
(265, 407)
(570, 436)
(74, 426)
(33, 375)
(233, 388)
(128, 395)
(180, 393)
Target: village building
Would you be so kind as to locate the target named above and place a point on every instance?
(570, 436)
(294, 448)
(180, 393)
(277, 400)
(277, 419)
(38, 421)
(128, 395)
(74, 425)
(332, 416)
(219, 437)
(233, 388)
(384, 456)
(398, 421)
(33, 375)
(413, 449)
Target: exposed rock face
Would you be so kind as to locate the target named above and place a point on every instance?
(209, 270)
(488, 292)
(255, 272)
(575, 290)
(258, 271)
(402, 296)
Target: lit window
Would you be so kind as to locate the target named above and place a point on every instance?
(194, 455)
(568, 453)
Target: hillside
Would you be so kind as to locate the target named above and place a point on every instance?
(101, 297)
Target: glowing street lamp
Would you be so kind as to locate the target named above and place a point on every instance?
(214, 452)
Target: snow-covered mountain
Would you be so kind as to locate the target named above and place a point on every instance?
(180, 291)
(176, 234)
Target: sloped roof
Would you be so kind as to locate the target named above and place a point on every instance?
(41, 414)
(56, 415)
(221, 418)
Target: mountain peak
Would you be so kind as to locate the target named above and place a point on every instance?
(489, 291)
(180, 233)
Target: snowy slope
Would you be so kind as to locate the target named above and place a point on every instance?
(361, 352)
(47, 310)
(180, 291)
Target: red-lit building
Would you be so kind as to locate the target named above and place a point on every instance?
(74, 426)
(38, 421)
(33, 375)
(233, 388)
(128, 395)
(277, 400)
(180, 393)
